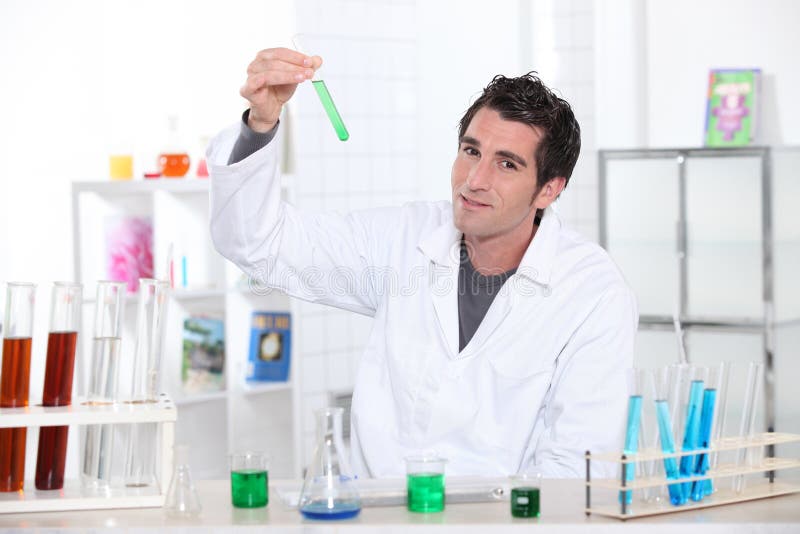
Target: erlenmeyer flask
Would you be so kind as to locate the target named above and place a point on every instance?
(329, 491)
(182, 499)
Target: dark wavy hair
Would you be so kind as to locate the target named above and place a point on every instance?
(526, 99)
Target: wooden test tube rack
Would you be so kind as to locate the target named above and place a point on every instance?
(723, 494)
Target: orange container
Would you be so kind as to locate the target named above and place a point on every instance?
(174, 165)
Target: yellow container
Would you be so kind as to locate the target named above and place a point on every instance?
(120, 167)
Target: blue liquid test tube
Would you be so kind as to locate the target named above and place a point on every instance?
(706, 420)
(691, 432)
(676, 496)
(631, 441)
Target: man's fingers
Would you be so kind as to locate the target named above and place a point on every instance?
(282, 58)
(263, 65)
(256, 82)
(285, 54)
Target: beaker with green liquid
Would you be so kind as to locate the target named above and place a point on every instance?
(301, 45)
(425, 483)
(525, 494)
(249, 479)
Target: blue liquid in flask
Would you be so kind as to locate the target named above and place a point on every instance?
(340, 510)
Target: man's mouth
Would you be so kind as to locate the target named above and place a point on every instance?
(468, 202)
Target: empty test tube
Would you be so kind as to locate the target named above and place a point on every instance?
(747, 426)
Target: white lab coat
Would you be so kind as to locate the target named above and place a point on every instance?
(542, 380)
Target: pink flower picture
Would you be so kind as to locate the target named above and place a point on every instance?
(129, 246)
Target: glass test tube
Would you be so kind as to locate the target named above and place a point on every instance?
(691, 431)
(676, 495)
(678, 384)
(704, 441)
(665, 389)
(300, 44)
(15, 380)
(636, 378)
(103, 378)
(648, 433)
(718, 380)
(747, 423)
(140, 457)
(65, 322)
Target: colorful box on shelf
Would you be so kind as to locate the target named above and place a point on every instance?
(270, 347)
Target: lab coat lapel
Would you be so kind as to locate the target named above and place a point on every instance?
(441, 247)
(535, 268)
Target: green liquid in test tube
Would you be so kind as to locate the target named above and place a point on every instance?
(300, 42)
(330, 109)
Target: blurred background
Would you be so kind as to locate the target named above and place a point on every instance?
(82, 80)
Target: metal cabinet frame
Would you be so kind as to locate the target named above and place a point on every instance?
(765, 325)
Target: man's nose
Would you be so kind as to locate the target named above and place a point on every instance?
(479, 177)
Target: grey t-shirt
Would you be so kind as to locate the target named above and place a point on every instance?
(476, 292)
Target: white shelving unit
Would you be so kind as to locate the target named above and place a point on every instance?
(73, 496)
(213, 424)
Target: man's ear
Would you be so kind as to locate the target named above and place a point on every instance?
(549, 192)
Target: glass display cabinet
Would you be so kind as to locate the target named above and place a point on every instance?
(710, 239)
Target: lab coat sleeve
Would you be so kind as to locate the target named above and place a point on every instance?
(320, 258)
(586, 406)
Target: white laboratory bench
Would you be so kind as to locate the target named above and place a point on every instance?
(562, 512)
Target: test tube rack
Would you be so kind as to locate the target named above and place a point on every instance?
(73, 496)
(723, 494)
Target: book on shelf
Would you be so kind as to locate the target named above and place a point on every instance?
(732, 107)
(129, 249)
(270, 347)
(203, 363)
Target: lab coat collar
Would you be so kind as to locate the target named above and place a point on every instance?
(442, 246)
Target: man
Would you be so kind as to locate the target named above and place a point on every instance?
(510, 351)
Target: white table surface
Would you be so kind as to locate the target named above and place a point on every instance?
(562, 511)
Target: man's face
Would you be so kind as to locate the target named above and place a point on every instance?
(494, 178)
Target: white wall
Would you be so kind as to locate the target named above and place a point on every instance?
(460, 50)
(685, 39)
(85, 77)
(659, 53)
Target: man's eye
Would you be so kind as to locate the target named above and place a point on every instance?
(508, 165)
(470, 151)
